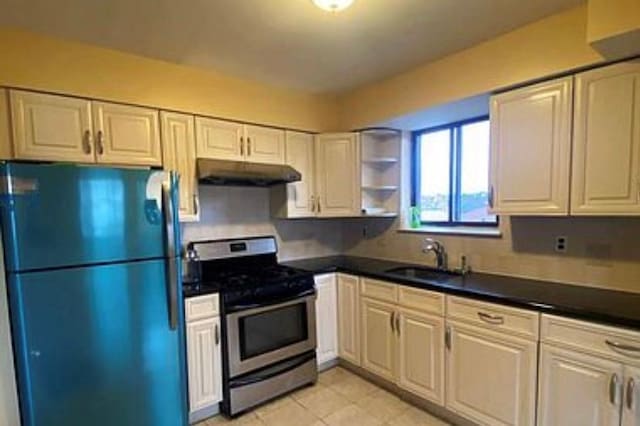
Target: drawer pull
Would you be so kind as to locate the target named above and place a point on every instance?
(217, 335)
(631, 389)
(622, 348)
(613, 389)
(491, 319)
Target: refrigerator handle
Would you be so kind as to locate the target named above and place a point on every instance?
(172, 270)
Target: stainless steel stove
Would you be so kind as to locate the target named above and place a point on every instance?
(268, 319)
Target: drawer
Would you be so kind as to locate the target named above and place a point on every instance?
(498, 317)
(421, 300)
(379, 290)
(197, 308)
(611, 342)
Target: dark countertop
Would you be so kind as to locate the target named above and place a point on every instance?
(593, 304)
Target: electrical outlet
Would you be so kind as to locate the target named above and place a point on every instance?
(562, 244)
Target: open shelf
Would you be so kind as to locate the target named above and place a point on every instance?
(380, 160)
(379, 187)
(380, 171)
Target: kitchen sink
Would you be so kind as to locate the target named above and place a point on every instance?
(422, 274)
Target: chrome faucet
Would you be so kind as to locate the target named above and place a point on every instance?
(431, 245)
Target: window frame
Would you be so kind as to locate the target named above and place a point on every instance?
(455, 146)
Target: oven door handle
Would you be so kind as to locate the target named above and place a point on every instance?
(260, 307)
(271, 372)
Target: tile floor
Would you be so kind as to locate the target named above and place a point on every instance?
(339, 398)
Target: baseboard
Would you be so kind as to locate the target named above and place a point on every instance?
(328, 364)
(407, 396)
(204, 413)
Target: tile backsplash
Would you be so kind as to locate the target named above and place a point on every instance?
(236, 212)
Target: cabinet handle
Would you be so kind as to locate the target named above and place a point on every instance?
(447, 337)
(86, 142)
(318, 202)
(391, 320)
(313, 204)
(99, 142)
(491, 319)
(613, 388)
(242, 146)
(248, 147)
(398, 324)
(217, 335)
(622, 348)
(491, 196)
(196, 205)
(631, 388)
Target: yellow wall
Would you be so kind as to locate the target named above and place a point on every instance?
(608, 18)
(552, 45)
(32, 61)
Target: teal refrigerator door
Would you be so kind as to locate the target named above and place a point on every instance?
(56, 215)
(94, 347)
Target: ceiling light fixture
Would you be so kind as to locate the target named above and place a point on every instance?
(333, 5)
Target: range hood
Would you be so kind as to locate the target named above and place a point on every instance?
(241, 173)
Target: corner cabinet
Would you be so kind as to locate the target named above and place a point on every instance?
(60, 128)
(179, 152)
(337, 175)
(531, 149)
(606, 141)
(326, 318)
(204, 360)
(228, 140)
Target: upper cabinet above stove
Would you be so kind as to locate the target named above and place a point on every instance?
(534, 151)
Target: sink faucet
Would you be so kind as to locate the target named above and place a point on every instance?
(431, 245)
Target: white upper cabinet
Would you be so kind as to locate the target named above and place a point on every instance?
(326, 318)
(338, 174)
(126, 134)
(531, 149)
(300, 200)
(577, 389)
(265, 145)
(219, 139)
(179, 152)
(51, 128)
(606, 143)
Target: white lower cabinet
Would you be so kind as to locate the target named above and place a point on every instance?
(588, 374)
(574, 389)
(491, 376)
(378, 338)
(421, 354)
(349, 318)
(203, 355)
(326, 318)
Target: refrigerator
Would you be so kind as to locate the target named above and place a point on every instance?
(92, 257)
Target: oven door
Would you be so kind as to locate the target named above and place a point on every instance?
(262, 336)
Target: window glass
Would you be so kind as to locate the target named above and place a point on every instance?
(435, 152)
(474, 173)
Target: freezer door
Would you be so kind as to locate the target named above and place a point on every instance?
(94, 346)
(57, 215)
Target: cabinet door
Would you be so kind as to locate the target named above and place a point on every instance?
(218, 139)
(378, 339)
(631, 400)
(326, 318)
(421, 355)
(6, 150)
(531, 149)
(179, 152)
(349, 318)
(126, 135)
(491, 377)
(576, 389)
(606, 143)
(338, 174)
(300, 155)
(265, 145)
(51, 128)
(204, 363)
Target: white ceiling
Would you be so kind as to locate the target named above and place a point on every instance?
(287, 43)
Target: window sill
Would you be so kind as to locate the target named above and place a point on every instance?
(472, 231)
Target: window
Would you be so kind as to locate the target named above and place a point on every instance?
(451, 174)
